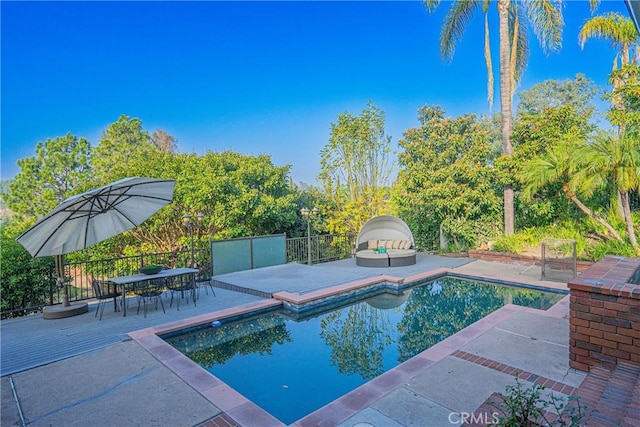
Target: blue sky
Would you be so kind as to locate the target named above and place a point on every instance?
(254, 77)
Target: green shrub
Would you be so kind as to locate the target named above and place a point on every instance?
(610, 247)
(524, 407)
(513, 244)
(517, 242)
(24, 281)
(588, 245)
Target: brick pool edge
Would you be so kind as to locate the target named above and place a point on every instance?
(605, 315)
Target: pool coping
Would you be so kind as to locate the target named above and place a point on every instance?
(245, 412)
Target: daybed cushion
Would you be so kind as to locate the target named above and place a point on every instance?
(389, 244)
(371, 254)
(399, 253)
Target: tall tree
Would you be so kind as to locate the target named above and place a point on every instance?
(164, 142)
(620, 155)
(239, 196)
(534, 135)
(625, 97)
(60, 168)
(577, 93)
(446, 181)
(355, 166)
(122, 146)
(545, 19)
(619, 30)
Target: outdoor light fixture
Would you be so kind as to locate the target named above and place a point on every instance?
(186, 220)
(308, 214)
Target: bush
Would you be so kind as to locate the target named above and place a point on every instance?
(513, 244)
(610, 247)
(517, 242)
(524, 407)
(24, 281)
(589, 246)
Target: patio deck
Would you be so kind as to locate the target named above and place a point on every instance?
(110, 371)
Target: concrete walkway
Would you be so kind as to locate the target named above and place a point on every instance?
(114, 381)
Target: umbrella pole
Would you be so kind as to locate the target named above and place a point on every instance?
(66, 309)
(61, 279)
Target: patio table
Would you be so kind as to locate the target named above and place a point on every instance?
(123, 281)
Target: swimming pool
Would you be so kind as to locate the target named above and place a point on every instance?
(292, 365)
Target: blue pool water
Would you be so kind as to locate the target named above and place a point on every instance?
(291, 367)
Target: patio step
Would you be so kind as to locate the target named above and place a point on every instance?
(244, 289)
(612, 397)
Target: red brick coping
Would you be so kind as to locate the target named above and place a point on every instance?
(516, 372)
(222, 420)
(605, 315)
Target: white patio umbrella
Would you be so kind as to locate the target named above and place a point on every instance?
(91, 217)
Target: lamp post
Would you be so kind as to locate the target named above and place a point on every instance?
(186, 220)
(308, 213)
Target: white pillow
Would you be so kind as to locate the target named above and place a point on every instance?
(407, 244)
(372, 244)
(389, 244)
(396, 244)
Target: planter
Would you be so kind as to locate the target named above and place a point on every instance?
(456, 254)
(509, 258)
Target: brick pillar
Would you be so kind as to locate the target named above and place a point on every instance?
(605, 315)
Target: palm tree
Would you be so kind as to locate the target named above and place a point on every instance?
(545, 19)
(619, 30)
(613, 160)
(622, 34)
(562, 165)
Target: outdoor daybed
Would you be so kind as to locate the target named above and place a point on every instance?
(387, 232)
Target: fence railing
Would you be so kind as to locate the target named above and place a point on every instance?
(323, 248)
(320, 248)
(80, 274)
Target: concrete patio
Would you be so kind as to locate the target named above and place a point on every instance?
(80, 371)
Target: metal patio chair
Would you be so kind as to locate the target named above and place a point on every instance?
(181, 285)
(150, 289)
(103, 291)
(204, 278)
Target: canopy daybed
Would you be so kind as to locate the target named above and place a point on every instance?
(385, 241)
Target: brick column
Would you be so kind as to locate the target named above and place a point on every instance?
(605, 315)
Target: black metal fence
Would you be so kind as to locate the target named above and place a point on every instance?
(320, 248)
(79, 274)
